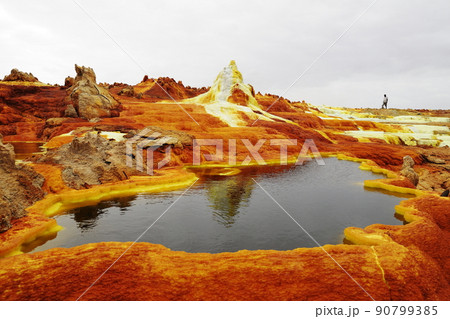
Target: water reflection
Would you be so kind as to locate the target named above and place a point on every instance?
(227, 195)
(87, 217)
(24, 150)
(28, 247)
(230, 213)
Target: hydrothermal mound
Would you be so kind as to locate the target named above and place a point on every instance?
(85, 135)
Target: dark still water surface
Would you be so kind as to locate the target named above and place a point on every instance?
(231, 213)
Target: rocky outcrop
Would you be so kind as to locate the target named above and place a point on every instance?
(436, 156)
(89, 99)
(233, 101)
(19, 76)
(166, 88)
(408, 170)
(435, 174)
(21, 187)
(229, 86)
(127, 91)
(434, 159)
(70, 111)
(40, 102)
(275, 103)
(90, 160)
(159, 137)
(69, 81)
(94, 159)
(435, 180)
(24, 108)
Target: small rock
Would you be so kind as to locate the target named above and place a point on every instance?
(69, 81)
(54, 121)
(434, 159)
(408, 170)
(70, 111)
(127, 91)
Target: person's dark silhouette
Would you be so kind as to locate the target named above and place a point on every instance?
(385, 100)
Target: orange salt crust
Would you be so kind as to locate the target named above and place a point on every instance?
(404, 265)
(408, 262)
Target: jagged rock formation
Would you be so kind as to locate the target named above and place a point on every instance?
(89, 99)
(279, 104)
(436, 176)
(90, 160)
(19, 76)
(408, 170)
(231, 100)
(21, 187)
(229, 87)
(94, 159)
(166, 88)
(38, 101)
(434, 159)
(127, 91)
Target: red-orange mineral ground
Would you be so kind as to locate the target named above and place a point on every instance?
(408, 262)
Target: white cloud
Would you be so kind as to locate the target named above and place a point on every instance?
(398, 47)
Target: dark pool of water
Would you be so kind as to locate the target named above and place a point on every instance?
(232, 213)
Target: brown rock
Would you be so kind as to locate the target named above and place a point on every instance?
(127, 91)
(21, 187)
(434, 180)
(70, 111)
(275, 103)
(69, 81)
(54, 121)
(408, 170)
(90, 160)
(167, 88)
(17, 75)
(24, 108)
(89, 99)
(161, 137)
(434, 159)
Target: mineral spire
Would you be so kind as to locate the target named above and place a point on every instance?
(229, 98)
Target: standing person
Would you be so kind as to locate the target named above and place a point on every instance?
(385, 100)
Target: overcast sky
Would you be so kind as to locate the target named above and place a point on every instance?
(398, 47)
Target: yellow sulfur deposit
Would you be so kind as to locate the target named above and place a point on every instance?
(229, 99)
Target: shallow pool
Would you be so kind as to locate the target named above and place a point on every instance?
(231, 213)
